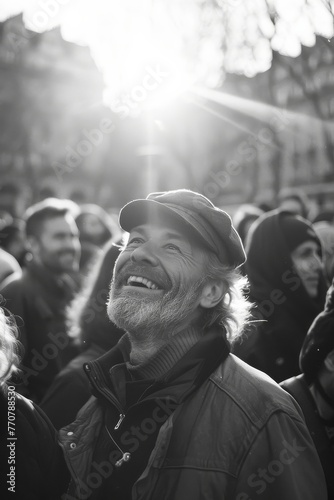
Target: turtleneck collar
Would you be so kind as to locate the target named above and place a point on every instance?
(184, 362)
(166, 357)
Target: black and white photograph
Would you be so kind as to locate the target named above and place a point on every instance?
(167, 249)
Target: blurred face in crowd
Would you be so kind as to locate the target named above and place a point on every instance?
(91, 228)
(293, 205)
(58, 247)
(159, 281)
(307, 262)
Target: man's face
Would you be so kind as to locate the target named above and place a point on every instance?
(58, 246)
(158, 279)
(91, 228)
(307, 262)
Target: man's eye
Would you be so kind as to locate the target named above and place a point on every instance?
(171, 246)
(134, 241)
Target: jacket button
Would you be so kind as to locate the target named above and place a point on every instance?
(73, 445)
(70, 433)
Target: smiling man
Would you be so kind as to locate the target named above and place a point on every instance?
(39, 297)
(160, 288)
(174, 415)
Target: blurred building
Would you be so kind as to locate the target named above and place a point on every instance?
(289, 141)
(59, 139)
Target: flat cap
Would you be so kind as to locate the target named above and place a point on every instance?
(211, 224)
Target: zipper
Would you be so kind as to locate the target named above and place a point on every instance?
(91, 372)
(121, 418)
(125, 454)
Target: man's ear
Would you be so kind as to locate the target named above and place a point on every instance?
(212, 294)
(33, 245)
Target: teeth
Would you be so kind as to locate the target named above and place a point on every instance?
(144, 281)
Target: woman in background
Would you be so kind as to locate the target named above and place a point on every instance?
(287, 284)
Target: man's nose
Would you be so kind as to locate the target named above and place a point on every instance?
(146, 253)
(71, 243)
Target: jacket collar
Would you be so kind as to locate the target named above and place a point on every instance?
(187, 374)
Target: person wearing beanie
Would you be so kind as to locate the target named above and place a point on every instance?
(288, 288)
(314, 388)
(174, 415)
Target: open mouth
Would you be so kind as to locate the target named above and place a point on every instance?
(140, 282)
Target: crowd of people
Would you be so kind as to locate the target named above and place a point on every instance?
(182, 354)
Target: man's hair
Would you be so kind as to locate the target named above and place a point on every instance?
(234, 310)
(50, 208)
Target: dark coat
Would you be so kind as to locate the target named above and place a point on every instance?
(284, 310)
(218, 426)
(299, 389)
(38, 300)
(70, 389)
(38, 468)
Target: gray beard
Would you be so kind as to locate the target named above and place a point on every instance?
(152, 320)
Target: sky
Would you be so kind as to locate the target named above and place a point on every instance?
(183, 39)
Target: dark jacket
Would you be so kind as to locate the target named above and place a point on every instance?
(231, 433)
(299, 389)
(29, 452)
(273, 346)
(38, 300)
(284, 310)
(70, 389)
